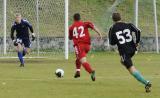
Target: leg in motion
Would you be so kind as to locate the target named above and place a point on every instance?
(78, 68)
(20, 54)
(134, 72)
(88, 68)
(127, 62)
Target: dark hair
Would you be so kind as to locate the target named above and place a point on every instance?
(17, 14)
(116, 17)
(77, 17)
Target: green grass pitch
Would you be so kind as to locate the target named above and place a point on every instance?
(37, 79)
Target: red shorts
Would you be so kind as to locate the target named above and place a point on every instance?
(81, 50)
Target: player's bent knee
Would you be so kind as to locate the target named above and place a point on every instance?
(127, 64)
(132, 69)
(19, 47)
(28, 50)
(83, 60)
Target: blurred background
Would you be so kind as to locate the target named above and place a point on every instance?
(48, 20)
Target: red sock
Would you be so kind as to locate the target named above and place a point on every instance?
(78, 65)
(87, 67)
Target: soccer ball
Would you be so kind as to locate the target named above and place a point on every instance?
(59, 73)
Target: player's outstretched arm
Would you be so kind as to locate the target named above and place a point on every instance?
(94, 28)
(29, 25)
(111, 37)
(70, 33)
(31, 29)
(12, 32)
(99, 34)
(137, 33)
(12, 35)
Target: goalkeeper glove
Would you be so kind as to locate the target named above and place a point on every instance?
(15, 42)
(33, 37)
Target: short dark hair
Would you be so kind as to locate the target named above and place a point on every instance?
(77, 17)
(18, 14)
(116, 17)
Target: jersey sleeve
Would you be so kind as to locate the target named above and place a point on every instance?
(12, 31)
(112, 37)
(90, 25)
(70, 33)
(29, 25)
(137, 32)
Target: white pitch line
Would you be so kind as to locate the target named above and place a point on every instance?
(17, 57)
(51, 79)
(25, 79)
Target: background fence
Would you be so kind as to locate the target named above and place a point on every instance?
(48, 20)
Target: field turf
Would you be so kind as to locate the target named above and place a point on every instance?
(37, 79)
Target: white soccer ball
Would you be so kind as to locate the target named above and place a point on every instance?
(59, 73)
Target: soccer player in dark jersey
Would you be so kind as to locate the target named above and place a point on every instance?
(120, 34)
(79, 34)
(22, 40)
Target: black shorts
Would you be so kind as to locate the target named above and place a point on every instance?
(126, 59)
(25, 42)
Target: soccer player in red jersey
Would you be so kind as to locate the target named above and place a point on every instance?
(79, 34)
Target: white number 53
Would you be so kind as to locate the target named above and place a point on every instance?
(124, 36)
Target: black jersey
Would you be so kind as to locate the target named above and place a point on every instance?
(120, 34)
(21, 29)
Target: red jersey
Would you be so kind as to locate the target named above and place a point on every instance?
(78, 32)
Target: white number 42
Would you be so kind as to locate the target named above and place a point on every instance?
(75, 32)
